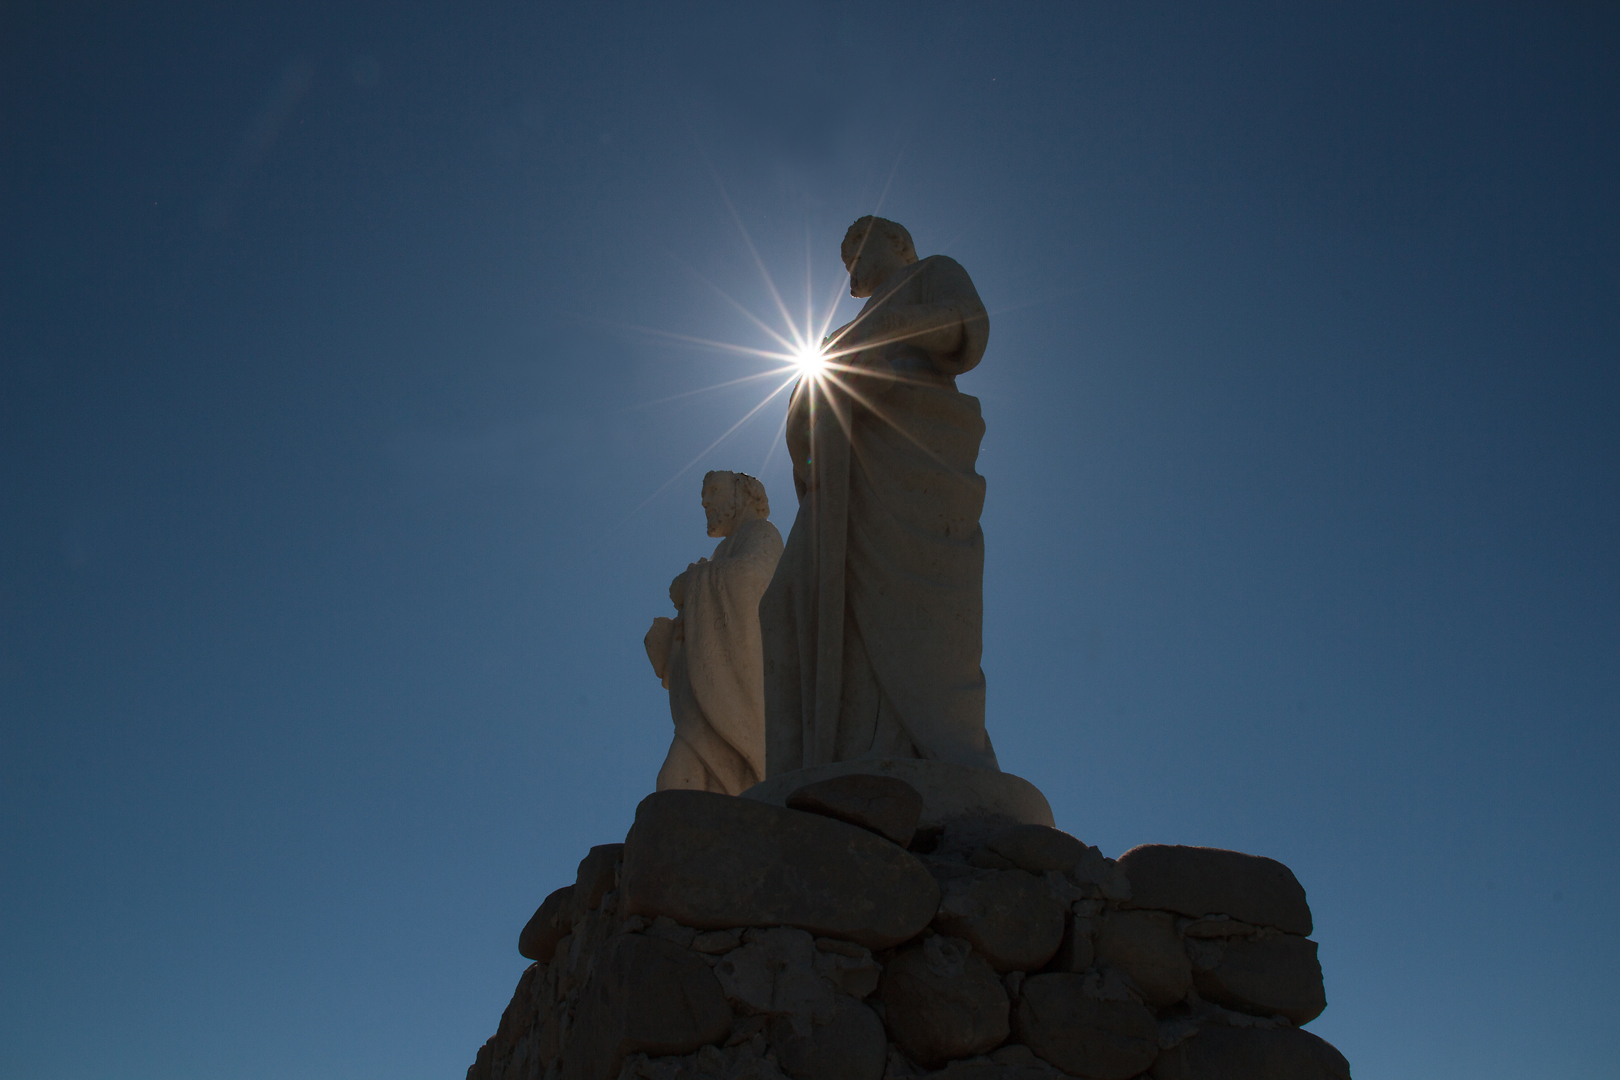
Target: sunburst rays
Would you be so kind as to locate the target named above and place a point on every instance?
(806, 351)
(796, 351)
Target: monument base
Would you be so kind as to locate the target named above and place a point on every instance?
(949, 792)
(732, 939)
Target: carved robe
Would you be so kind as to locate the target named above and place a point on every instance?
(873, 625)
(716, 677)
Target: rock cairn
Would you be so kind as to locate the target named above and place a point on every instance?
(834, 939)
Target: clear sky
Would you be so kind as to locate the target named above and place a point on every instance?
(335, 457)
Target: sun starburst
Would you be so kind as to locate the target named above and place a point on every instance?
(809, 359)
(801, 351)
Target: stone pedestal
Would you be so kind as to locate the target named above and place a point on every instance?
(949, 792)
(856, 928)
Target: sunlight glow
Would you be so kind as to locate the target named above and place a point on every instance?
(809, 359)
(835, 366)
(803, 352)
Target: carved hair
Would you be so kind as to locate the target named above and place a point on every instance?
(871, 228)
(747, 494)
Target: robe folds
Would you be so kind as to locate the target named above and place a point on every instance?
(716, 678)
(873, 625)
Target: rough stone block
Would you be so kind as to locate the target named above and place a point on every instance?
(716, 942)
(949, 791)
(1198, 881)
(882, 804)
(1145, 946)
(596, 878)
(1011, 918)
(551, 922)
(506, 1053)
(646, 996)
(742, 1061)
(670, 930)
(1037, 849)
(1267, 976)
(774, 972)
(551, 1033)
(1105, 874)
(848, 966)
(1078, 951)
(1012, 1062)
(851, 1045)
(1218, 928)
(941, 1001)
(1083, 1036)
(1223, 1053)
(715, 862)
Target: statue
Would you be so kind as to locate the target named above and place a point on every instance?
(708, 656)
(873, 625)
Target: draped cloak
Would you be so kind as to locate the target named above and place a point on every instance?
(716, 688)
(873, 624)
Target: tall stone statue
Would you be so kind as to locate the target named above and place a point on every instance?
(873, 625)
(708, 656)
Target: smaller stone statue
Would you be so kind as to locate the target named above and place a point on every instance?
(709, 656)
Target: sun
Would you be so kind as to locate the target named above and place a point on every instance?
(799, 349)
(809, 359)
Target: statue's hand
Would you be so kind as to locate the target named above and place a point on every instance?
(658, 642)
(677, 590)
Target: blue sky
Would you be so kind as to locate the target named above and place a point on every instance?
(335, 459)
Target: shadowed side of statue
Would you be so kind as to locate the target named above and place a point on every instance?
(873, 625)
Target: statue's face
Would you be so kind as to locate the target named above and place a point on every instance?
(719, 505)
(876, 260)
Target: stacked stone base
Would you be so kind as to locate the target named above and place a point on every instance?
(728, 939)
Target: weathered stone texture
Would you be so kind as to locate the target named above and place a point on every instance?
(747, 1060)
(1037, 849)
(1144, 946)
(733, 940)
(1197, 881)
(1219, 927)
(717, 942)
(949, 791)
(848, 966)
(1224, 1053)
(551, 922)
(848, 1045)
(597, 876)
(1011, 918)
(941, 1001)
(646, 996)
(1011, 1062)
(1078, 951)
(508, 1052)
(670, 930)
(1276, 975)
(881, 804)
(1083, 1036)
(714, 862)
(774, 972)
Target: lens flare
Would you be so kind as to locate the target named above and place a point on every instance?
(805, 353)
(809, 359)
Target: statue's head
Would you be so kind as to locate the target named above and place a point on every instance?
(874, 248)
(731, 498)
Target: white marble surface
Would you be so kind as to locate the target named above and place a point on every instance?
(709, 655)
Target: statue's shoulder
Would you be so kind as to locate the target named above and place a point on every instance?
(943, 263)
(943, 274)
(759, 535)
